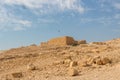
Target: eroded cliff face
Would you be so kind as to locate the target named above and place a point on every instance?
(88, 61)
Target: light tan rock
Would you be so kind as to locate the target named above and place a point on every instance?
(72, 72)
(60, 41)
(58, 62)
(73, 63)
(99, 62)
(106, 60)
(83, 64)
(81, 42)
(67, 57)
(90, 61)
(98, 43)
(67, 61)
(83, 45)
(102, 61)
(31, 67)
(17, 75)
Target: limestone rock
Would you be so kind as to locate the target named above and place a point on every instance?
(98, 43)
(102, 61)
(31, 67)
(81, 42)
(58, 62)
(73, 63)
(17, 75)
(83, 64)
(99, 62)
(67, 61)
(67, 57)
(106, 60)
(66, 40)
(72, 72)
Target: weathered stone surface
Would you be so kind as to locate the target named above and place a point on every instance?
(58, 62)
(67, 61)
(101, 61)
(31, 67)
(98, 43)
(81, 42)
(61, 41)
(106, 60)
(83, 64)
(17, 75)
(73, 63)
(72, 72)
(67, 57)
(43, 44)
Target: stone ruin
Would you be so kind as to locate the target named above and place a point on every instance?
(63, 41)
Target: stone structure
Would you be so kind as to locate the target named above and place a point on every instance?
(62, 41)
(81, 42)
(44, 44)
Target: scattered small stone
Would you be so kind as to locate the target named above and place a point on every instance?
(102, 61)
(67, 61)
(99, 62)
(17, 75)
(83, 64)
(31, 67)
(73, 63)
(67, 57)
(90, 61)
(58, 62)
(72, 72)
(106, 60)
(83, 45)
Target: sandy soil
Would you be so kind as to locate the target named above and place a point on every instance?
(92, 61)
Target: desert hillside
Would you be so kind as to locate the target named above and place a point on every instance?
(78, 61)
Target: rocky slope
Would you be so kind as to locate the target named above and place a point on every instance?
(92, 61)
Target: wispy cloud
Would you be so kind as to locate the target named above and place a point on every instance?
(117, 5)
(9, 21)
(15, 25)
(46, 21)
(102, 20)
(44, 5)
(13, 22)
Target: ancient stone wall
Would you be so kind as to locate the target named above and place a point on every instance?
(61, 41)
(81, 42)
(70, 41)
(44, 44)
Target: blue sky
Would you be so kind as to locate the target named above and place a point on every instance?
(24, 22)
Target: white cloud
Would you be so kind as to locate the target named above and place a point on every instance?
(15, 25)
(49, 4)
(18, 28)
(24, 22)
(9, 21)
(46, 21)
(117, 5)
(102, 20)
(117, 16)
